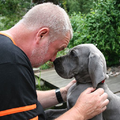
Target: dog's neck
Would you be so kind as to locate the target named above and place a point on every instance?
(83, 79)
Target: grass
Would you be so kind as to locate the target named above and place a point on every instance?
(40, 86)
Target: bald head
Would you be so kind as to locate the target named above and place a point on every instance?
(48, 15)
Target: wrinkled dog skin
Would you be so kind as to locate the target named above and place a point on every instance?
(88, 66)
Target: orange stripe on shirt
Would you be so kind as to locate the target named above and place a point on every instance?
(17, 110)
(8, 36)
(35, 118)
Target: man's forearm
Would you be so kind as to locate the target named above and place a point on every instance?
(48, 98)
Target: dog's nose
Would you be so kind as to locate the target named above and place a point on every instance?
(57, 61)
(57, 64)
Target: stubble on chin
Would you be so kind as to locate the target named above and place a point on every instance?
(38, 56)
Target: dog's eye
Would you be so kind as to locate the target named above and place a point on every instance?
(73, 53)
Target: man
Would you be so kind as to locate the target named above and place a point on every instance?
(36, 39)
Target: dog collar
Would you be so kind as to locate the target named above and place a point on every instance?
(103, 81)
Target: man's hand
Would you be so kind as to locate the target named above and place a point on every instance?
(65, 89)
(91, 103)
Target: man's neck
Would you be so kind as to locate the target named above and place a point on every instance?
(22, 37)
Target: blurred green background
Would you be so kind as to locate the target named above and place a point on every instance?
(93, 21)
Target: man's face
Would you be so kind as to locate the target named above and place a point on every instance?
(48, 51)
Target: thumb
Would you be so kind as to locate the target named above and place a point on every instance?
(70, 84)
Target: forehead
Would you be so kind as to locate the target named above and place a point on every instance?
(62, 43)
(67, 38)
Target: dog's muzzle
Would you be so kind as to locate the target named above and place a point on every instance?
(62, 68)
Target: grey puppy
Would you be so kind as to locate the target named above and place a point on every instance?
(87, 65)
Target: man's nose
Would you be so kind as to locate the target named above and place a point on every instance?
(53, 58)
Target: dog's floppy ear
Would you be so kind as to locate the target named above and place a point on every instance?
(96, 69)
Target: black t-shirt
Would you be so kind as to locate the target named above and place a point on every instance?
(18, 99)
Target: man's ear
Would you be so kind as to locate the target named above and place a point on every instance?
(42, 32)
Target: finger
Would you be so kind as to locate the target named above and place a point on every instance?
(104, 108)
(99, 91)
(71, 83)
(89, 90)
(105, 103)
(104, 96)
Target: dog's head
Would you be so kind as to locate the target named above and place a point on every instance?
(85, 62)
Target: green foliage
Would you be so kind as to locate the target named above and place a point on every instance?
(10, 7)
(101, 27)
(77, 6)
(11, 11)
(39, 86)
(64, 4)
(79, 29)
(38, 80)
(71, 6)
(47, 65)
(7, 22)
(42, 1)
